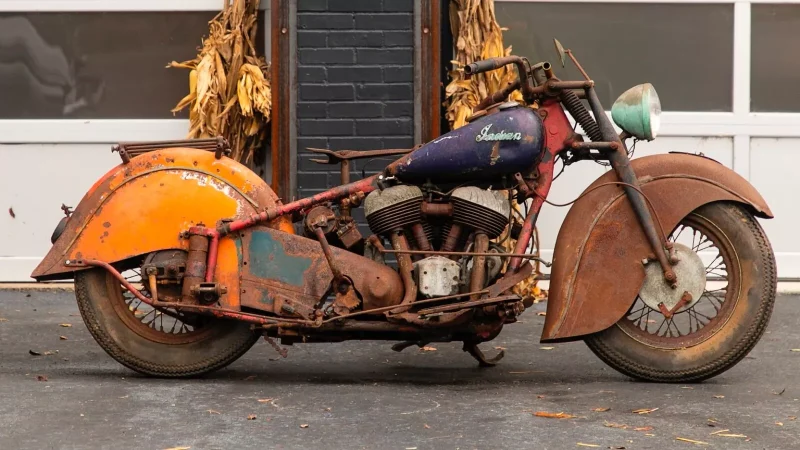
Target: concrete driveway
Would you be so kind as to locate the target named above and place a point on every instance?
(363, 395)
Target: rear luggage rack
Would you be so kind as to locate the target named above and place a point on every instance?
(128, 150)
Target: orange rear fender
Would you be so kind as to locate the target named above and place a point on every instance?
(143, 206)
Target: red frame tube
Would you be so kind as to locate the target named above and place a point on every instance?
(558, 136)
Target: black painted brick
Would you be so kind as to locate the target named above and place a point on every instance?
(312, 110)
(398, 109)
(355, 74)
(355, 109)
(384, 56)
(384, 91)
(326, 55)
(383, 22)
(355, 38)
(312, 39)
(398, 5)
(326, 127)
(398, 39)
(310, 74)
(355, 5)
(326, 92)
(312, 5)
(325, 21)
(395, 74)
(355, 82)
(384, 127)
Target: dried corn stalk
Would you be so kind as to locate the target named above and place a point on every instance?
(477, 36)
(229, 88)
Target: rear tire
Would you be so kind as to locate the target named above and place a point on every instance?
(114, 326)
(740, 320)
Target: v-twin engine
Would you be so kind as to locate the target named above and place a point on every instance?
(466, 219)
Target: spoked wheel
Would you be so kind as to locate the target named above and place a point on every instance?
(160, 342)
(726, 291)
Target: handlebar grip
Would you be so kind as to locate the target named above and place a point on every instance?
(481, 66)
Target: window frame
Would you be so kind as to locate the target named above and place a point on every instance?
(741, 124)
(71, 131)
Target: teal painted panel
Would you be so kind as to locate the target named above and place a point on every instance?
(268, 260)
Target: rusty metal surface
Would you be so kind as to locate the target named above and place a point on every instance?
(469, 304)
(195, 266)
(341, 156)
(437, 209)
(478, 274)
(584, 295)
(278, 267)
(107, 225)
(128, 150)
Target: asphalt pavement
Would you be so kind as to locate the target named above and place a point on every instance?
(357, 395)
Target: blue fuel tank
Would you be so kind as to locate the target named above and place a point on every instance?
(498, 144)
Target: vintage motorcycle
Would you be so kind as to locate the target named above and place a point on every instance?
(182, 258)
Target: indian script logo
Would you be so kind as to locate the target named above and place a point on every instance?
(499, 136)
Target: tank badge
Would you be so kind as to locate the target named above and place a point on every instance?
(499, 136)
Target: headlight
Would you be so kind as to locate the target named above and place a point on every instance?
(638, 111)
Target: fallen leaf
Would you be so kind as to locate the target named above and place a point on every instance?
(541, 313)
(686, 387)
(719, 396)
(125, 396)
(34, 353)
(691, 441)
(779, 393)
(251, 417)
(792, 417)
(427, 348)
(616, 448)
(3, 319)
(178, 448)
(648, 434)
(264, 400)
(644, 410)
(540, 396)
(303, 425)
(643, 429)
(550, 415)
(796, 349)
(427, 427)
(328, 409)
(546, 348)
(65, 325)
(250, 378)
(732, 435)
(601, 409)
(48, 353)
(719, 431)
(63, 338)
(500, 348)
(41, 377)
(581, 444)
(211, 411)
(780, 424)
(11, 213)
(615, 425)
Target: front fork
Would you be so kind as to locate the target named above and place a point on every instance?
(558, 135)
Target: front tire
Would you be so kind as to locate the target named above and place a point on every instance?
(732, 323)
(130, 332)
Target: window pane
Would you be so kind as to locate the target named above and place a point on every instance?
(95, 64)
(685, 50)
(775, 65)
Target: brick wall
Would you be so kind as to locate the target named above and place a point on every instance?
(355, 83)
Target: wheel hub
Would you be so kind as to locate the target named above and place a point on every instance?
(691, 272)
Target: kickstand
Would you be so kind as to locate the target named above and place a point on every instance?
(281, 351)
(400, 346)
(475, 352)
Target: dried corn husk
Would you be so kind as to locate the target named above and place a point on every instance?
(477, 35)
(229, 87)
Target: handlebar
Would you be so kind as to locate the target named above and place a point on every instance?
(487, 65)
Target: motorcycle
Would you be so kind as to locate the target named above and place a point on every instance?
(183, 258)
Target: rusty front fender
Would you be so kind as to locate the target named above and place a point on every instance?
(142, 206)
(597, 265)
